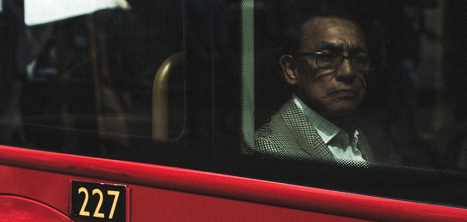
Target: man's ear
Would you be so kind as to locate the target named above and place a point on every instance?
(289, 68)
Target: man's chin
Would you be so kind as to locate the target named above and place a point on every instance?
(341, 109)
(343, 112)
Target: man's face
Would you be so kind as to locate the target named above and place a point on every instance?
(337, 92)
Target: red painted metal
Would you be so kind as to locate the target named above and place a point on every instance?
(15, 208)
(183, 191)
(155, 204)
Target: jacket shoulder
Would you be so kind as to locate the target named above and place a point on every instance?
(278, 137)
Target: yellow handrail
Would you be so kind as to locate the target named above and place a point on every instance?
(160, 103)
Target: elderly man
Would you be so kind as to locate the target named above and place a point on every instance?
(328, 76)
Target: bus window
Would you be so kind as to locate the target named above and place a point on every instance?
(83, 84)
(414, 120)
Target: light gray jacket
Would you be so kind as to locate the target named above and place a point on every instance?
(289, 135)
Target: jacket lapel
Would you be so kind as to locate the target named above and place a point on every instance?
(364, 147)
(304, 133)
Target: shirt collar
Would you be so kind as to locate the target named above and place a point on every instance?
(325, 128)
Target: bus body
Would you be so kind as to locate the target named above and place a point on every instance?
(146, 111)
(159, 193)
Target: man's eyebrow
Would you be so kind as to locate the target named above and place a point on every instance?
(325, 45)
(330, 45)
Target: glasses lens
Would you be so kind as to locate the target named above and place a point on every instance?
(333, 61)
(328, 61)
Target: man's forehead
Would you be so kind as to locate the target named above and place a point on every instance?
(315, 32)
(332, 45)
(323, 22)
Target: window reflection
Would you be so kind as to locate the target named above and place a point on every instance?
(84, 84)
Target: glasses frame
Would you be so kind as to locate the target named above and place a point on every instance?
(343, 57)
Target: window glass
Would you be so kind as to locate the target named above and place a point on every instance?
(80, 80)
(410, 121)
(406, 92)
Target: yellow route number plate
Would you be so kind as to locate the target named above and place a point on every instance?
(106, 202)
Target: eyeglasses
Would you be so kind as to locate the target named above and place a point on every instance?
(360, 62)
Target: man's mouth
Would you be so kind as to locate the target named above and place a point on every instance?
(347, 93)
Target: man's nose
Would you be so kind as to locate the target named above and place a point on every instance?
(345, 72)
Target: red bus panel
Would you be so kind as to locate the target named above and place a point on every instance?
(167, 193)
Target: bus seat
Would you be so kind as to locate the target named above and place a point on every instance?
(160, 125)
